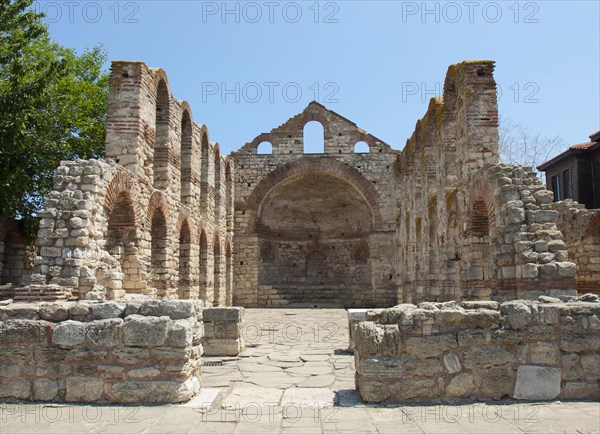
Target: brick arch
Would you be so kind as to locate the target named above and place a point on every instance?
(326, 166)
(184, 234)
(158, 202)
(313, 115)
(483, 192)
(163, 110)
(186, 153)
(264, 137)
(122, 183)
(184, 219)
(158, 75)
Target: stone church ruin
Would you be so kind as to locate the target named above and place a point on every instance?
(167, 234)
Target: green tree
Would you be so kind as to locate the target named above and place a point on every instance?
(52, 108)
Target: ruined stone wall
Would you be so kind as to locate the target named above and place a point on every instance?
(480, 350)
(581, 229)
(155, 217)
(468, 227)
(337, 245)
(101, 352)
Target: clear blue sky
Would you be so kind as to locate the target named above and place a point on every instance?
(382, 61)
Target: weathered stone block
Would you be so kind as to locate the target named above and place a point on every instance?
(487, 358)
(69, 334)
(430, 346)
(411, 390)
(174, 309)
(591, 366)
(497, 383)
(105, 332)
(142, 331)
(223, 314)
(84, 389)
(452, 363)
(155, 391)
(45, 389)
(460, 386)
(576, 343)
(15, 388)
(107, 309)
(517, 314)
(537, 383)
(181, 333)
(543, 353)
(21, 332)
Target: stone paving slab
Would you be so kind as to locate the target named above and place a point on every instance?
(239, 396)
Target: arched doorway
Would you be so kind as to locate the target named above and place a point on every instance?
(310, 227)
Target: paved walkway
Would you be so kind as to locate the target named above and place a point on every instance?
(296, 377)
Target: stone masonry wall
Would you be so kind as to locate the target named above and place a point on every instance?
(480, 350)
(155, 217)
(101, 352)
(276, 267)
(581, 229)
(468, 227)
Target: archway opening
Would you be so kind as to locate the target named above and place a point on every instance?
(217, 274)
(158, 252)
(264, 148)
(228, 276)
(122, 245)
(203, 267)
(186, 157)
(310, 228)
(361, 148)
(480, 260)
(13, 258)
(184, 261)
(314, 138)
(161, 139)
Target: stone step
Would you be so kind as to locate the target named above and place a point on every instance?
(35, 293)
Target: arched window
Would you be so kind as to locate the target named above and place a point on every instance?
(479, 219)
(361, 147)
(314, 138)
(204, 173)
(264, 148)
(217, 186)
(161, 139)
(184, 261)
(203, 267)
(186, 157)
(228, 276)
(217, 284)
(121, 243)
(228, 197)
(158, 251)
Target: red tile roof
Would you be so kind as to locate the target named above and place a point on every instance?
(585, 145)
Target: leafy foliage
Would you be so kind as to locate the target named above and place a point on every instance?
(52, 108)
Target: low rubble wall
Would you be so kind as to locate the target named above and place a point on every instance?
(480, 350)
(101, 352)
